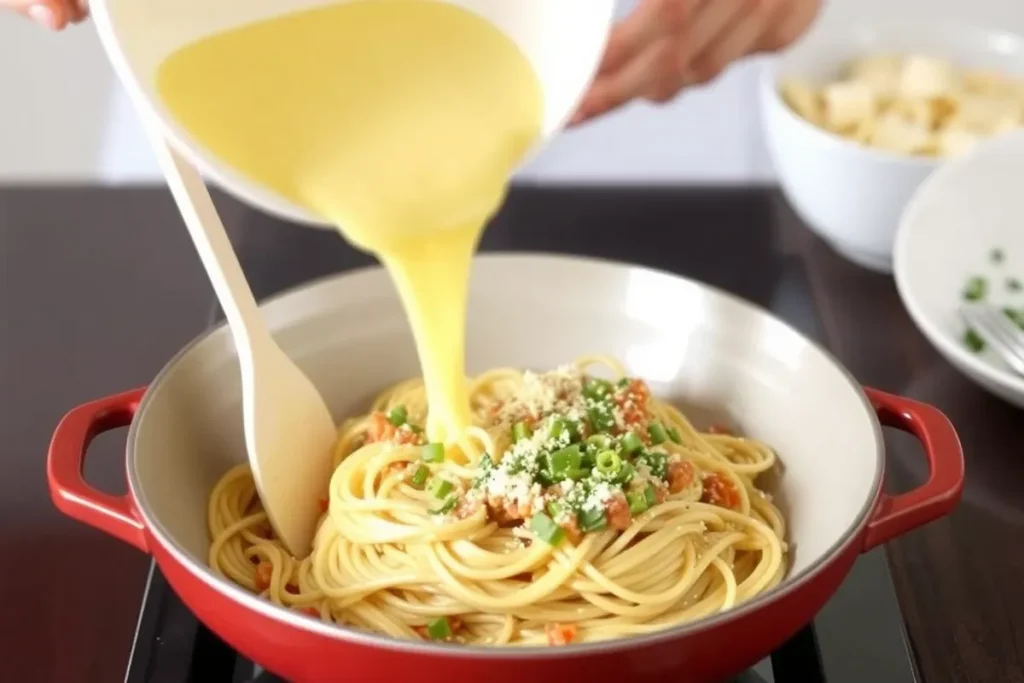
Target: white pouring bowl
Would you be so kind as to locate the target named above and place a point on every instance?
(563, 39)
(956, 219)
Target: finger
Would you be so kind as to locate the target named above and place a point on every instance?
(788, 21)
(51, 15)
(709, 24)
(611, 91)
(638, 30)
(740, 39)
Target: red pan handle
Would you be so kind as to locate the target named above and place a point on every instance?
(896, 515)
(116, 515)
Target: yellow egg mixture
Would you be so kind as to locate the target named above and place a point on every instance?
(399, 121)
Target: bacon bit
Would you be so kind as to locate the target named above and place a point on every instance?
(632, 401)
(719, 428)
(421, 631)
(617, 510)
(406, 437)
(324, 505)
(572, 530)
(292, 588)
(311, 611)
(720, 491)
(561, 634)
(660, 493)
(255, 559)
(264, 572)
(680, 475)
(508, 513)
(523, 576)
(379, 428)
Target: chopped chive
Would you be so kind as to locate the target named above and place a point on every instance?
(631, 443)
(673, 434)
(601, 417)
(419, 477)
(520, 431)
(593, 520)
(449, 504)
(439, 488)
(637, 502)
(546, 529)
(601, 442)
(657, 433)
(439, 629)
(658, 464)
(608, 463)
(559, 425)
(564, 460)
(1015, 316)
(432, 452)
(997, 255)
(398, 416)
(974, 341)
(625, 474)
(486, 464)
(975, 289)
(650, 495)
(597, 388)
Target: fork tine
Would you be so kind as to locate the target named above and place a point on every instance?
(992, 331)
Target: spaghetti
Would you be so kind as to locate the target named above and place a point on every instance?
(606, 515)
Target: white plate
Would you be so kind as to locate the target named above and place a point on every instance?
(963, 212)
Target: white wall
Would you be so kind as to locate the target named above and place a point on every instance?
(63, 117)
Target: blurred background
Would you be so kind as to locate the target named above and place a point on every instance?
(66, 119)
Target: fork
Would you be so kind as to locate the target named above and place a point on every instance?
(999, 332)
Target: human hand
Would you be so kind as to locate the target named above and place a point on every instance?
(53, 14)
(666, 45)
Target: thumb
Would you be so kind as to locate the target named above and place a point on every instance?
(48, 13)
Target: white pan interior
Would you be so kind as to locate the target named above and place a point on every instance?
(695, 345)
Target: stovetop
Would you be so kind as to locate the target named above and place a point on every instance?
(858, 636)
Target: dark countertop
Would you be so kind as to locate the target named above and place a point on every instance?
(101, 286)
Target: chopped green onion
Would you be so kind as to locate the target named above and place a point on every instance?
(974, 341)
(597, 388)
(650, 495)
(657, 433)
(625, 475)
(419, 477)
(398, 416)
(631, 443)
(432, 452)
(559, 426)
(593, 520)
(608, 463)
(555, 509)
(544, 477)
(439, 488)
(439, 629)
(601, 417)
(1017, 317)
(658, 464)
(673, 434)
(623, 383)
(576, 474)
(546, 529)
(486, 464)
(1013, 284)
(975, 289)
(415, 429)
(449, 504)
(564, 460)
(520, 431)
(601, 442)
(637, 502)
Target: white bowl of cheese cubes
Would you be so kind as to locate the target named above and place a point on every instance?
(856, 117)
